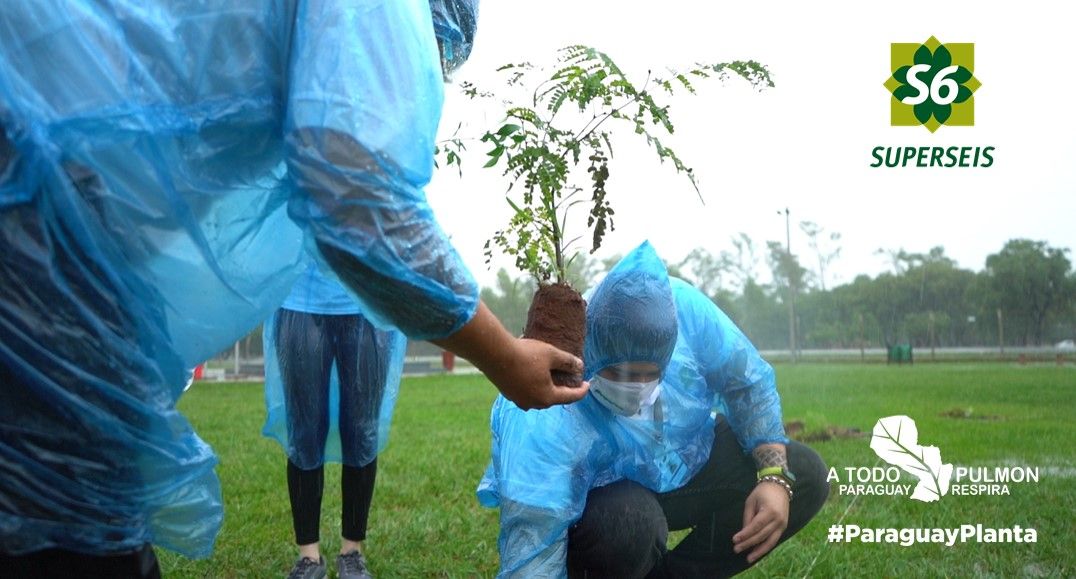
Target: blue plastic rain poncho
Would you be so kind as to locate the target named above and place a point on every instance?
(309, 353)
(546, 461)
(161, 164)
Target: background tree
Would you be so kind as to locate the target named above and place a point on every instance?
(790, 277)
(897, 259)
(1028, 281)
(930, 293)
(708, 273)
(785, 267)
(703, 270)
(1065, 328)
(509, 299)
(742, 262)
(826, 248)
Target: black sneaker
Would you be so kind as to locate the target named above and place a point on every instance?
(352, 566)
(307, 568)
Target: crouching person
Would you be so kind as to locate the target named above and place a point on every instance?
(681, 430)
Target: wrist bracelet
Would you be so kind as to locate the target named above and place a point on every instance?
(778, 470)
(779, 480)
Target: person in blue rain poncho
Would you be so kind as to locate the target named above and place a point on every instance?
(163, 164)
(682, 429)
(331, 380)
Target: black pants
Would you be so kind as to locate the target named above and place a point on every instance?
(61, 564)
(305, 490)
(624, 527)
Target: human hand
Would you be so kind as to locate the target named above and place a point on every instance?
(520, 368)
(526, 376)
(765, 517)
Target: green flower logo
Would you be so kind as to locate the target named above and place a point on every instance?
(932, 84)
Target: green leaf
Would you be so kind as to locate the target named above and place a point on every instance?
(923, 56)
(514, 206)
(901, 74)
(943, 112)
(963, 94)
(494, 156)
(687, 84)
(904, 91)
(942, 58)
(608, 145)
(508, 129)
(923, 111)
(962, 75)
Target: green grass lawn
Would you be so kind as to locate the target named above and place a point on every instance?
(426, 523)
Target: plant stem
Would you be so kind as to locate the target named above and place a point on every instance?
(558, 248)
(584, 133)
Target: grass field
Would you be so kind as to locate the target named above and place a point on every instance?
(426, 523)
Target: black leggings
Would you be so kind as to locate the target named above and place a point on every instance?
(305, 490)
(307, 347)
(624, 526)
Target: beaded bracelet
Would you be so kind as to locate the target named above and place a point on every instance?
(779, 480)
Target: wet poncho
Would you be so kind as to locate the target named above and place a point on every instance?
(376, 364)
(545, 462)
(162, 164)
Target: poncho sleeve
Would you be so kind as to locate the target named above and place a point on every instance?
(540, 482)
(364, 102)
(733, 368)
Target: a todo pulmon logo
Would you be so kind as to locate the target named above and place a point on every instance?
(932, 84)
(895, 439)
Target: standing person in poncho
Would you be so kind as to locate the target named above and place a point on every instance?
(163, 164)
(331, 380)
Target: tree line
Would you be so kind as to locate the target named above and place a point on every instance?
(1024, 296)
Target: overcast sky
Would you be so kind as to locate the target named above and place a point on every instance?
(805, 144)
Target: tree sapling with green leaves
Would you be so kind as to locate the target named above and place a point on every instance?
(567, 122)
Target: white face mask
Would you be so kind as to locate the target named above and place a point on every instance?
(624, 398)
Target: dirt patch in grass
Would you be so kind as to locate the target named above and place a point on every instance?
(967, 414)
(797, 430)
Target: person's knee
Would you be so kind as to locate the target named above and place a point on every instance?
(306, 447)
(622, 532)
(811, 487)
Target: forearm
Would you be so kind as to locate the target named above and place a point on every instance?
(364, 96)
(521, 369)
(379, 235)
(772, 463)
(770, 455)
(483, 341)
